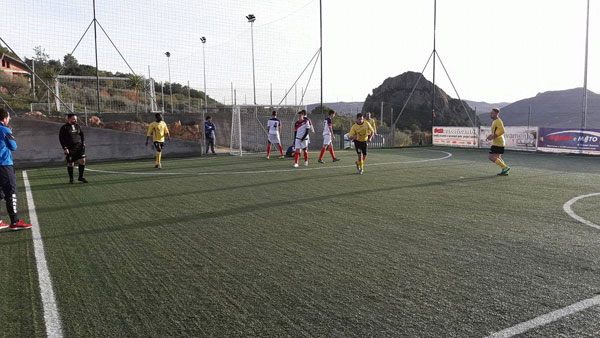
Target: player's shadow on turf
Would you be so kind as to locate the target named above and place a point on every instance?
(254, 208)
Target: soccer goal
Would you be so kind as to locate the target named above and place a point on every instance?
(248, 133)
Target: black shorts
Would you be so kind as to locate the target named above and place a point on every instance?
(76, 153)
(361, 147)
(497, 150)
(159, 146)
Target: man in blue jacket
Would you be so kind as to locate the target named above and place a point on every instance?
(209, 132)
(8, 179)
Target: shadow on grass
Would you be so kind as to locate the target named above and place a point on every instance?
(252, 208)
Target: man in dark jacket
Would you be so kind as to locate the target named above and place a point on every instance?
(209, 132)
(72, 142)
(8, 179)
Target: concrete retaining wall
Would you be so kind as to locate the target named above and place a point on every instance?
(38, 144)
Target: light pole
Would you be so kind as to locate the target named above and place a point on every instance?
(203, 39)
(251, 18)
(168, 54)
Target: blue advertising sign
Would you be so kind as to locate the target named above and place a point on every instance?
(578, 141)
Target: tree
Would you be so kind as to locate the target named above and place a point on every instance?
(70, 63)
(14, 85)
(317, 110)
(137, 83)
(40, 55)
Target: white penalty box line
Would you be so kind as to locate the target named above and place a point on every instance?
(566, 311)
(51, 315)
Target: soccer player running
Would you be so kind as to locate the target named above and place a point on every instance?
(302, 128)
(497, 138)
(209, 132)
(72, 142)
(8, 179)
(273, 128)
(372, 121)
(158, 130)
(361, 132)
(328, 137)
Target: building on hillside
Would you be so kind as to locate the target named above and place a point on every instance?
(12, 66)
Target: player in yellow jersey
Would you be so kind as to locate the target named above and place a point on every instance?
(497, 138)
(158, 130)
(372, 121)
(361, 132)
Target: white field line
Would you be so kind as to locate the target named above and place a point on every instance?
(558, 314)
(569, 211)
(51, 316)
(547, 318)
(448, 155)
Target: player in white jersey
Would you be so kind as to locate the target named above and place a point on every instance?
(302, 128)
(273, 128)
(328, 137)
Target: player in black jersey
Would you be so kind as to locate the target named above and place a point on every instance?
(72, 142)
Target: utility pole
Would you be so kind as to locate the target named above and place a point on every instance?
(96, 51)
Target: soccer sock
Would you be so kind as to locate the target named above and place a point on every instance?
(158, 157)
(81, 170)
(361, 163)
(70, 171)
(297, 157)
(322, 152)
(280, 149)
(501, 163)
(269, 150)
(331, 152)
(306, 156)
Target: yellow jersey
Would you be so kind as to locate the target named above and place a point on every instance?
(158, 130)
(373, 123)
(363, 131)
(498, 129)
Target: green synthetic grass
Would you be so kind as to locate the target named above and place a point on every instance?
(431, 249)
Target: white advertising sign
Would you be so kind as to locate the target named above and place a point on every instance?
(465, 137)
(516, 138)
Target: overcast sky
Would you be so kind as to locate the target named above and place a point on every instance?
(494, 50)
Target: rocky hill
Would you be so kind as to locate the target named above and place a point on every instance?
(343, 108)
(394, 93)
(558, 109)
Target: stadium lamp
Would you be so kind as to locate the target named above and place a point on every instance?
(251, 17)
(203, 39)
(168, 54)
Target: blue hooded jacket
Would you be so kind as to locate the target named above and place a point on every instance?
(7, 145)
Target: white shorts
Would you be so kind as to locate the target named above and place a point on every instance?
(326, 140)
(274, 138)
(301, 144)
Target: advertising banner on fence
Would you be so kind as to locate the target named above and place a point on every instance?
(516, 138)
(455, 136)
(577, 141)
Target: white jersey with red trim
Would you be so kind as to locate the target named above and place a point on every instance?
(326, 124)
(274, 125)
(303, 128)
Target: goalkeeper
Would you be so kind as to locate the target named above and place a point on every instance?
(361, 132)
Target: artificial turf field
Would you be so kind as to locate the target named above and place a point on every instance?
(244, 247)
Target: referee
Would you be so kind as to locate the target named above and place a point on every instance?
(72, 142)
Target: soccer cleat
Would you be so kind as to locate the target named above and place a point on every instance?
(3, 225)
(295, 165)
(320, 161)
(306, 163)
(156, 166)
(360, 171)
(159, 166)
(20, 225)
(268, 157)
(281, 157)
(82, 180)
(504, 172)
(336, 160)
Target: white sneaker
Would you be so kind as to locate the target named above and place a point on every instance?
(159, 166)
(306, 164)
(295, 165)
